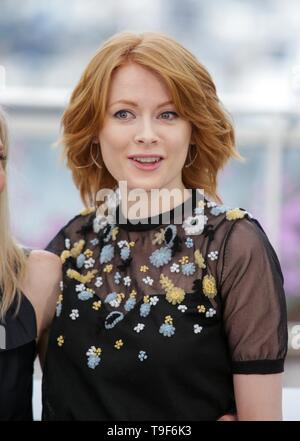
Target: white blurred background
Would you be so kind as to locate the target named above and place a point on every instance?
(252, 50)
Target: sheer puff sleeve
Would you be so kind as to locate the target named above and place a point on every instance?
(254, 305)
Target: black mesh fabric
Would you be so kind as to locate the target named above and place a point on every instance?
(155, 318)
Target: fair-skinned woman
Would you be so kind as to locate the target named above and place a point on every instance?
(182, 308)
(28, 292)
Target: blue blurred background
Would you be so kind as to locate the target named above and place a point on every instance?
(250, 47)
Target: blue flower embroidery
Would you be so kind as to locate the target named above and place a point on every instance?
(117, 278)
(58, 309)
(218, 210)
(189, 242)
(85, 295)
(161, 257)
(107, 253)
(125, 253)
(80, 260)
(167, 329)
(129, 304)
(93, 355)
(188, 268)
(145, 309)
(142, 355)
(94, 242)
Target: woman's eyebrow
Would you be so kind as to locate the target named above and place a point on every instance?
(132, 103)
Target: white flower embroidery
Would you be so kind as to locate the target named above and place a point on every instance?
(80, 287)
(139, 327)
(197, 329)
(210, 313)
(148, 280)
(74, 314)
(174, 268)
(153, 300)
(211, 204)
(127, 281)
(182, 308)
(89, 263)
(98, 282)
(61, 285)
(213, 255)
(67, 243)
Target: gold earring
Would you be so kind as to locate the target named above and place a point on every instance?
(188, 165)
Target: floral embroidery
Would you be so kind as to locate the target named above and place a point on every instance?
(89, 263)
(235, 213)
(182, 308)
(114, 299)
(67, 243)
(97, 305)
(117, 278)
(107, 253)
(213, 255)
(189, 242)
(60, 340)
(112, 319)
(183, 260)
(219, 209)
(72, 274)
(94, 242)
(144, 268)
(145, 307)
(99, 282)
(74, 252)
(209, 286)
(118, 344)
(197, 329)
(211, 204)
(173, 294)
(87, 294)
(59, 305)
(159, 237)
(167, 328)
(148, 280)
(108, 268)
(153, 300)
(114, 233)
(88, 253)
(201, 308)
(161, 257)
(80, 261)
(188, 269)
(194, 224)
(211, 312)
(175, 268)
(199, 259)
(131, 301)
(74, 314)
(127, 280)
(93, 355)
(142, 355)
(125, 253)
(139, 327)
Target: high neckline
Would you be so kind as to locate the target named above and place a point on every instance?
(165, 218)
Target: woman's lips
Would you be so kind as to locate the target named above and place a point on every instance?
(146, 166)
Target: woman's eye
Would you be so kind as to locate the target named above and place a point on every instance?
(172, 113)
(120, 112)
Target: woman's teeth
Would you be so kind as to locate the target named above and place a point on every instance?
(153, 159)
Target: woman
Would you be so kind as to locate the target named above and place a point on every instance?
(27, 293)
(159, 320)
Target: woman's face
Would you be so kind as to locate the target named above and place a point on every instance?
(147, 126)
(2, 173)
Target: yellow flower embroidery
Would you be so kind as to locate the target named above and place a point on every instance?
(235, 213)
(87, 278)
(114, 233)
(174, 294)
(168, 320)
(97, 351)
(119, 344)
(60, 299)
(201, 308)
(97, 305)
(201, 204)
(77, 248)
(146, 299)
(199, 259)
(87, 211)
(108, 268)
(159, 237)
(88, 253)
(183, 260)
(209, 286)
(144, 268)
(65, 255)
(60, 340)
(132, 294)
(131, 244)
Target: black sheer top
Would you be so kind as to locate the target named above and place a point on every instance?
(17, 353)
(154, 319)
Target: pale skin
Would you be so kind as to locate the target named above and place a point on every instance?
(145, 129)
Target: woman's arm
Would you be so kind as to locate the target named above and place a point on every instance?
(258, 397)
(41, 286)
